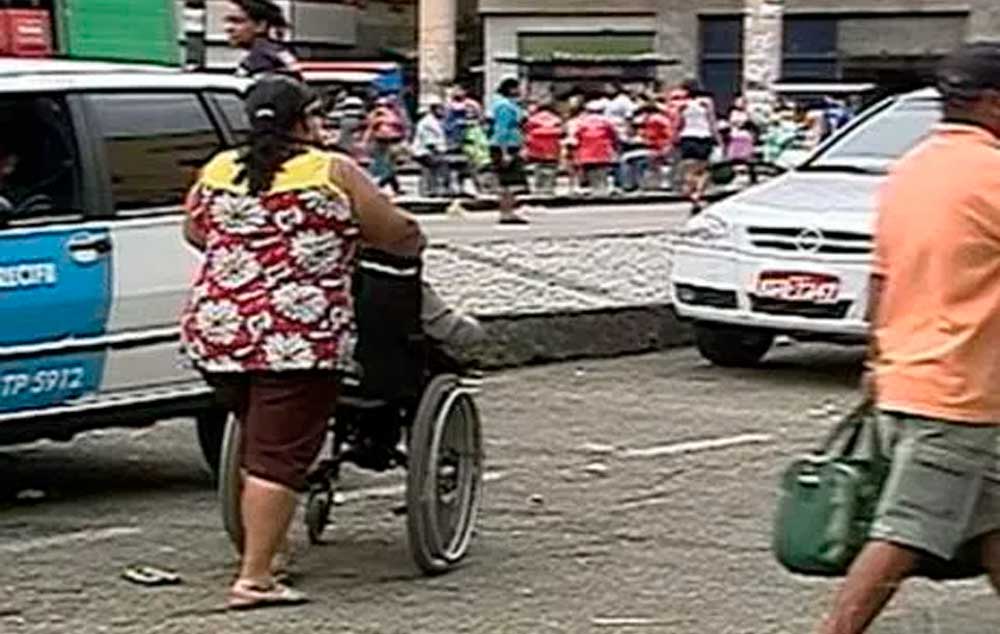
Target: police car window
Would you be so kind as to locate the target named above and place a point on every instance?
(39, 166)
(234, 114)
(155, 144)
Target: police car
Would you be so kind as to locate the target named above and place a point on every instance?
(95, 160)
(792, 256)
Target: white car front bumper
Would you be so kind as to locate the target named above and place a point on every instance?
(718, 285)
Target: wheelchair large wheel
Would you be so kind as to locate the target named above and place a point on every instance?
(231, 482)
(210, 426)
(444, 475)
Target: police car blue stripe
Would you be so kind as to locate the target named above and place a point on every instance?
(54, 285)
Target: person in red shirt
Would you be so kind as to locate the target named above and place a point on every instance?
(596, 146)
(658, 132)
(674, 103)
(543, 133)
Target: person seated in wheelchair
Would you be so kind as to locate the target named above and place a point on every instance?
(399, 314)
(406, 335)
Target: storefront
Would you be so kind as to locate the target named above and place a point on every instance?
(894, 43)
(559, 74)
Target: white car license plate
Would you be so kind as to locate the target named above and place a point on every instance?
(799, 287)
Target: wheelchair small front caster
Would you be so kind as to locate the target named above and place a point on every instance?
(318, 507)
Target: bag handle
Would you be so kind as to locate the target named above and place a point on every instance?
(854, 424)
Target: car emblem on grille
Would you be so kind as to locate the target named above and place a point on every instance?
(809, 240)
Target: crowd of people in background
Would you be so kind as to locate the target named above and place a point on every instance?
(606, 142)
(609, 141)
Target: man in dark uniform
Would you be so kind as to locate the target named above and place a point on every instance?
(250, 25)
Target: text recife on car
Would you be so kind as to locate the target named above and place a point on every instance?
(793, 256)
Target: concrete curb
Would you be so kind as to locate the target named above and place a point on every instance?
(430, 206)
(520, 340)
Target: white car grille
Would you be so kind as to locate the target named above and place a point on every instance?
(807, 240)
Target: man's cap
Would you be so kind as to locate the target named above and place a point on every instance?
(970, 70)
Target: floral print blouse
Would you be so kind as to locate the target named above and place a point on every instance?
(274, 290)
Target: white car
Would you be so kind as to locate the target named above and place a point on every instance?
(792, 256)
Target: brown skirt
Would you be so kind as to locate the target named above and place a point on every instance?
(285, 418)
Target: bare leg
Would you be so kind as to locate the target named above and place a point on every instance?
(507, 203)
(686, 178)
(871, 582)
(701, 182)
(267, 512)
(990, 553)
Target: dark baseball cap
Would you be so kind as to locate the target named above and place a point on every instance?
(970, 70)
(279, 101)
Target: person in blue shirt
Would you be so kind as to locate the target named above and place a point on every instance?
(505, 149)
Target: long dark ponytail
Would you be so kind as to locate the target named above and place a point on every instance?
(275, 104)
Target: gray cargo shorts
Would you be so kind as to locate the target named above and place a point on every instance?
(943, 488)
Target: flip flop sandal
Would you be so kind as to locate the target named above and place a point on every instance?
(149, 576)
(248, 595)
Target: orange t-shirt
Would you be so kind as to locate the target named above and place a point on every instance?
(937, 245)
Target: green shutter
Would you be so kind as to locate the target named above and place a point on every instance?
(545, 45)
(128, 30)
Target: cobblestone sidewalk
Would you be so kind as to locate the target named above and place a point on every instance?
(552, 275)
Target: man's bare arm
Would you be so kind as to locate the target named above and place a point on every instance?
(876, 283)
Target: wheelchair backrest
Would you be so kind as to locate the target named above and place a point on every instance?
(387, 305)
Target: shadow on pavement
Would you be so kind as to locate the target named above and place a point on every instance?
(812, 365)
(161, 460)
(823, 365)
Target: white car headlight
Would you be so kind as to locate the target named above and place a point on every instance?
(706, 228)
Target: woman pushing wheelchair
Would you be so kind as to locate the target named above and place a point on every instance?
(270, 317)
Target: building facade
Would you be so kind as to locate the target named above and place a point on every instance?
(730, 43)
(319, 29)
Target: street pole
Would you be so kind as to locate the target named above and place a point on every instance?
(762, 53)
(436, 46)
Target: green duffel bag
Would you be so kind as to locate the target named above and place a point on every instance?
(828, 498)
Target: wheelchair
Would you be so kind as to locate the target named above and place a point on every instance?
(409, 405)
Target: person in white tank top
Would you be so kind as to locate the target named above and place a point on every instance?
(697, 119)
(699, 133)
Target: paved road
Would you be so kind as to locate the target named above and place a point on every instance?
(653, 480)
(557, 223)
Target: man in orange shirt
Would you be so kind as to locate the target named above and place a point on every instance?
(935, 368)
